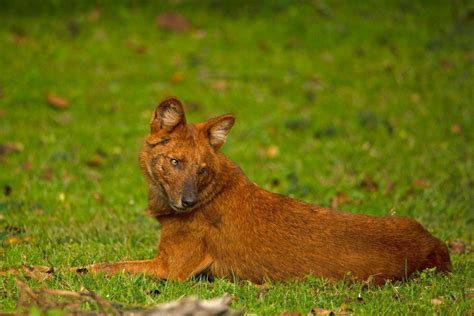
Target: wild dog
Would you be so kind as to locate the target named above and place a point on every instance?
(215, 220)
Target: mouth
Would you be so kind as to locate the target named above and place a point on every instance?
(179, 209)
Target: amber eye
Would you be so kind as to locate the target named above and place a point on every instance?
(202, 171)
(174, 161)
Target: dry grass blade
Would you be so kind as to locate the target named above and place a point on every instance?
(70, 301)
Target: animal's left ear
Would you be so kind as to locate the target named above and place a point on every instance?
(167, 116)
(218, 128)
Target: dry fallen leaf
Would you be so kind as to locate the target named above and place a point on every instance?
(415, 98)
(272, 151)
(97, 161)
(456, 129)
(369, 184)
(12, 240)
(269, 151)
(135, 46)
(7, 190)
(94, 15)
(436, 301)
(446, 65)
(420, 184)
(339, 199)
(290, 314)
(320, 311)
(57, 102)
(98, 197)
(28, 239)
(458, 246)
(389, 188)
(7, 148)
(177, 77)
(219, 85)
(19, 38)
(171, 21)
(47, 174)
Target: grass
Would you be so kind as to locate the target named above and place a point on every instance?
(326, 94)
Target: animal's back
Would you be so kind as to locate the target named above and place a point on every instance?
(281, 238)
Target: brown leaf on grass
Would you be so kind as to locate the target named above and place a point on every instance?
(28, 239)
(13, 240)
(389, 187)
(339, 199)
(57, 102)
(47, 174)
(98, 197)
(320, 311)
(172, 21)
(7, 190)
(436, 301)
(177, 77)
(272, 151)
(290, 314)
(269, 151)
(97, 161)
(94, 14)
(458, 246)
(9, 148)
(420, 184)
(19, 38)
(456, 129)
(446, 65)
(136, 47)
(415, 98)
(27, 165)
(368, 183)
(219, 85)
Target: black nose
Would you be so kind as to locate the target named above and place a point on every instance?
(188, 201)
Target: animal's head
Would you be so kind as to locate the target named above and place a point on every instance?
(181, 161)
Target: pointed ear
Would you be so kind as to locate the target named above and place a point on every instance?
(218, 128)
(167, 116)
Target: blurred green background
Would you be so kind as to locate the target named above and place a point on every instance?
(367, 107)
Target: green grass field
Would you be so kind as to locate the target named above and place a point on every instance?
(368, 105)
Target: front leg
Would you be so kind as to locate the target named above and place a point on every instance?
(182, 261)
(150, 267)
(175, 261)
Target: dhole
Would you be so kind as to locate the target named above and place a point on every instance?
(215, 220)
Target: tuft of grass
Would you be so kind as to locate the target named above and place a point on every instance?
(370, 104)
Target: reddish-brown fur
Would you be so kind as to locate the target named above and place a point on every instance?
(238, 230)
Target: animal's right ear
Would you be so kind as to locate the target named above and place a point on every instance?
(167, 116)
